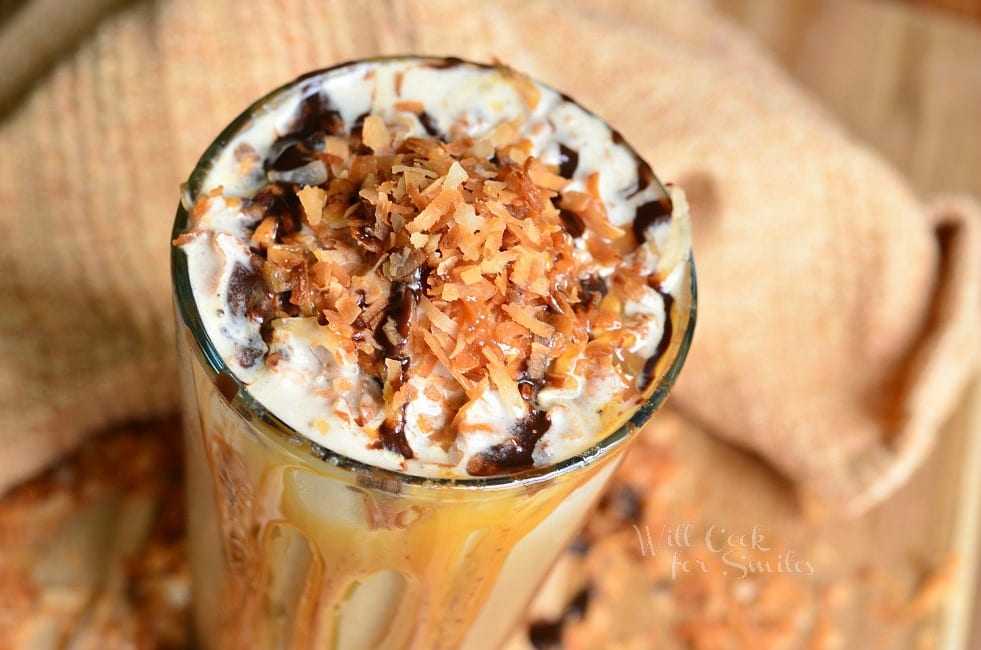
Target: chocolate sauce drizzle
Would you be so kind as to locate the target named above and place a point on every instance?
(568, 161)
(516, 451)
(401, 306)
(649, 214)
(316, 114)
(429, 123)
(647, 374)
(573, 223)
(248, 298)
(594, 289)
(645, 176)
(279, 201)
(288, 153)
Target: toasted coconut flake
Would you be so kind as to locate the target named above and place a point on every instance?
(521, 271)
(448, 263)
(347, 308)
(371, 316)
(434, 346)
(276, 278)
(409, 107)
(392, 370)
(575, 201)
(447, 200)
(500, 376)
(542, 176)
(496, 264)
(321, 275)
(505, 133)
(401, 264)
(482, 149)
(265, 233)
(452, 291)
(493, 189)
(538, 360)
(284, 255)
(421, 171)
(517, 154)
(455, 176)
(432, 245)
(338, 147)
(471, 274)
(430, 192)
(593, 214)
(375, 134)
(436, 317)
(528, 320)
(510, 332)
(312, 199)
(185, 238)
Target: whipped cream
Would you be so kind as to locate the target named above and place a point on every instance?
(307, 371)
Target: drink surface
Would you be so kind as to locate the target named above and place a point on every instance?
(436, 267)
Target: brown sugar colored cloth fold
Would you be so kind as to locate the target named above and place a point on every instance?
(838, 314)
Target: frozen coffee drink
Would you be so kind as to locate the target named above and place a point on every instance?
(423, 305)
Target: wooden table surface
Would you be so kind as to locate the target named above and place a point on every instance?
(906, 78)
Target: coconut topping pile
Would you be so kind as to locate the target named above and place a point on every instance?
(426, 289)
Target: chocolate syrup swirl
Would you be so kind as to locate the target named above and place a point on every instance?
(568, 161)
(279, 200)
(248, 298)
(392, 435)
(429, 124)
(288, 153)
(593, 289)
(515, 452)
(574, 225)
(649, 214)
(401, 306)
(647, 374)
(645, 176)
(316, 114)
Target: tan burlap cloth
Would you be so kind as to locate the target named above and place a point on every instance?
(838, 314)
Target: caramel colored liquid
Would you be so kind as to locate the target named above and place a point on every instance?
(293, 552)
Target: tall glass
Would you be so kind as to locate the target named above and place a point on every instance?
(295, 546)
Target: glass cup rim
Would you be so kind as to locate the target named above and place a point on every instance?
(263, 420)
